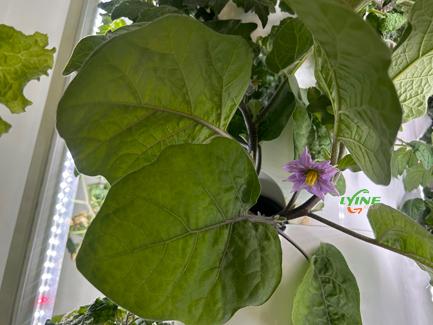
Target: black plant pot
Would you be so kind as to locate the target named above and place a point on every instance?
(271, 199)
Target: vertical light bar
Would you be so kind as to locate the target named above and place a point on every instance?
(56, 242)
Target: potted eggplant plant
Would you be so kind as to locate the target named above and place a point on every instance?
(172, 110)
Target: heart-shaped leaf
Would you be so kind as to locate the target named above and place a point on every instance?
(178, 237)
(352, 68)
(328, 294)
(412, 66)
(169, 82)
(413, 208)
(347, 162)
(400, 233)
(400, 159)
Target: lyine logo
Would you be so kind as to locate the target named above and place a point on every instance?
(369, 202)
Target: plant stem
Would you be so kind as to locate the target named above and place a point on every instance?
(251, 128)
(290, 240)
(259, 160)
(292, 201)
(352, 233)
(271, 102)
(301, 210)
(404, 142)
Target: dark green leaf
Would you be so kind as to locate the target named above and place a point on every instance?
(328, 293)
(313, 93)
(413, 208)
(269, 81)
(130, 9)
(22, 58)
(367, 114)
(261, 7)
(412, 67)
(284, 7)
(399, 232)
(235, 27)
(423, 152)
(276, 118)
(177, 235)
(399, 162)
(319, 106)
(347, 162)
(146, 91)
(417, 175)
(301, 129)
(70, 246)
(291, 46)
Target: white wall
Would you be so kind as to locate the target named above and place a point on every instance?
(16, 147)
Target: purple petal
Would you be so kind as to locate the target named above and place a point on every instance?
(293, 166)
(299, 186)
(327, 186)
(316, 190)
(321, 166)
(305, 159)
(327, 175)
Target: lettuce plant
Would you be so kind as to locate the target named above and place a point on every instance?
(172, 111)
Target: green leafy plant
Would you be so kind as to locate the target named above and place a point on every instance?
(22, 58)
(172, 110)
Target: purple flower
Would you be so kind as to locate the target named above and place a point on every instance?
(315, 178)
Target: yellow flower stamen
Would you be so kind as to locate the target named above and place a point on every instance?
(311, 177)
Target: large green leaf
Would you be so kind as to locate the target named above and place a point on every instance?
(22, 58)
(177, 237)
(395, 230)
(328, 294)
(154, 13)
(290, 46)
(171, 81)
(412, 65)
(352, 68)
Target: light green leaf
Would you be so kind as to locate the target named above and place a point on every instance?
(423, 152)
(255, 107)
(328, 293)
(143, 91)
(301, 129)
(352, 69)
(319, 140)
(347, 162)
(401, 234)
(177, 235)
(417, 175)
(399, 162)
(4, 126)
(412, 67)
(130, 9)
(22, 58)
(291, 45)
(413, 208)
(391, 22)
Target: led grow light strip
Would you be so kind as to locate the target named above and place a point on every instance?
(56, 244)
